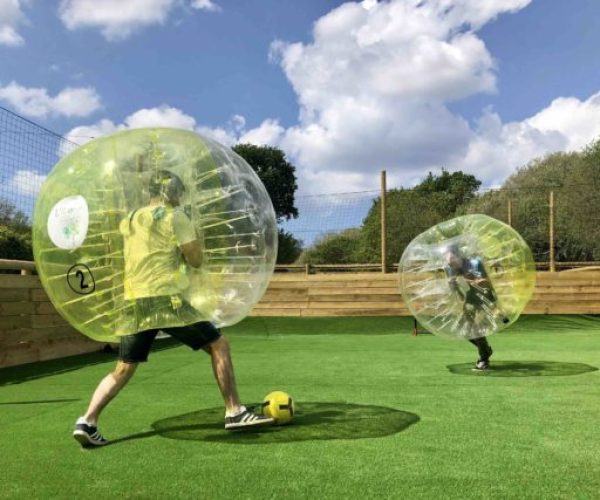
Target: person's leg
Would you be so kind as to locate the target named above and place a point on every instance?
(485, 351)
(86, 428)
(108, 388)
(133, 350)
(205, 336)
(483, 347)
(223, 369)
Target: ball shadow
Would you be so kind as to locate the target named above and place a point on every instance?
(523, 369)
(313, 421)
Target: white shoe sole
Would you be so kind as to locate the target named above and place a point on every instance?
(243, 425)
(85, 440)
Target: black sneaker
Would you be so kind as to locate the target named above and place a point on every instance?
(87, 435)
(245, 419)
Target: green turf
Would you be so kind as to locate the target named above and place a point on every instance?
(381, 414)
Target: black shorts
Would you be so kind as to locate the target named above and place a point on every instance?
(135, 348)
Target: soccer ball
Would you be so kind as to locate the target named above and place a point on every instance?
(280, 406)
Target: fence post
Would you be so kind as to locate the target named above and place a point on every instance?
(383, 224)
(510, 212)
(551, 233)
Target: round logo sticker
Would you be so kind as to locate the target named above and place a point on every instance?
(68, 222)
(80, 279)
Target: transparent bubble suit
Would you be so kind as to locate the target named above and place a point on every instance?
(80, 228)
(468, 277)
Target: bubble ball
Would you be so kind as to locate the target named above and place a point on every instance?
(468, 277)
(153, 228)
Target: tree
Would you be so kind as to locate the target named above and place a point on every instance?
(528, 191)
(412, 211)
(408, 214)
(279, 178)
(15, 233)
(336, 248)
(458, 186)
(289, 248)
(277, 174)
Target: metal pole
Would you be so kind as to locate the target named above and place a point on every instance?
(383, 224)
(510, 212)
(552, 263)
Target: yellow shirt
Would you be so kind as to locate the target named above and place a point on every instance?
(153, 262)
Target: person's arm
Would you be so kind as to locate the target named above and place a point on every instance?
(480, 277)
(187, 240)
(192, 253)
(452, 281)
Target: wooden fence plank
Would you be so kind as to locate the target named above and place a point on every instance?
(15, 308)
(19, 281)
(14, 295)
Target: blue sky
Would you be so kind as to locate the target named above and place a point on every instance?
(344, 88)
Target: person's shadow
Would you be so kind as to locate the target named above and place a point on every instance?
(523, 369)
(312, 421)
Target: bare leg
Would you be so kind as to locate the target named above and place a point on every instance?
(223, 370)
(108, 389)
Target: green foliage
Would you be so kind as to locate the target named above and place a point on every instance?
(289, 248)
(276, 173)
(9, 215)
(408, 214)
(412, 211)
(15, 244)
(573, 177)
(15, 233)
(337, 248)
(457, 186)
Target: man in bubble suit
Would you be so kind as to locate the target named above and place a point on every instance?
(468, 278)
(159, 238)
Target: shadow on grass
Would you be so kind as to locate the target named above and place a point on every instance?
(524, 369)
(32, 371)
(39, 401)
(312, 422)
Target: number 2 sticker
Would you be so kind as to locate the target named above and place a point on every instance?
(80, 279)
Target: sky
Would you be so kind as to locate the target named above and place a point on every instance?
(346, 89)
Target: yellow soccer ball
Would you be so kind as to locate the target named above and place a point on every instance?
(280, 406)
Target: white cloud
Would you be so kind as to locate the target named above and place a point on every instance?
(86, 133)
(11, 16)
(374, 84)
(225, 136)
(118, 19)
(163, 116)
(207, 5)
(267, 132)
(27, 182)
(36, 103)
(567, 124)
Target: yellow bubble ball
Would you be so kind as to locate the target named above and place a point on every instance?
(467, 277)
(280, 406)
(153, 228)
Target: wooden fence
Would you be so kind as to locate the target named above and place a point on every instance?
(364, 294)
(31, 330)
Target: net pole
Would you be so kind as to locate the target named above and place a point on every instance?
(551, 233)
(510, 212)
(383, 224)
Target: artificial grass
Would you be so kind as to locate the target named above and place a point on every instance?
(408, 426)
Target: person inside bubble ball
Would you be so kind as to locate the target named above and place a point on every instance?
(158, 239)
(468, 278)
